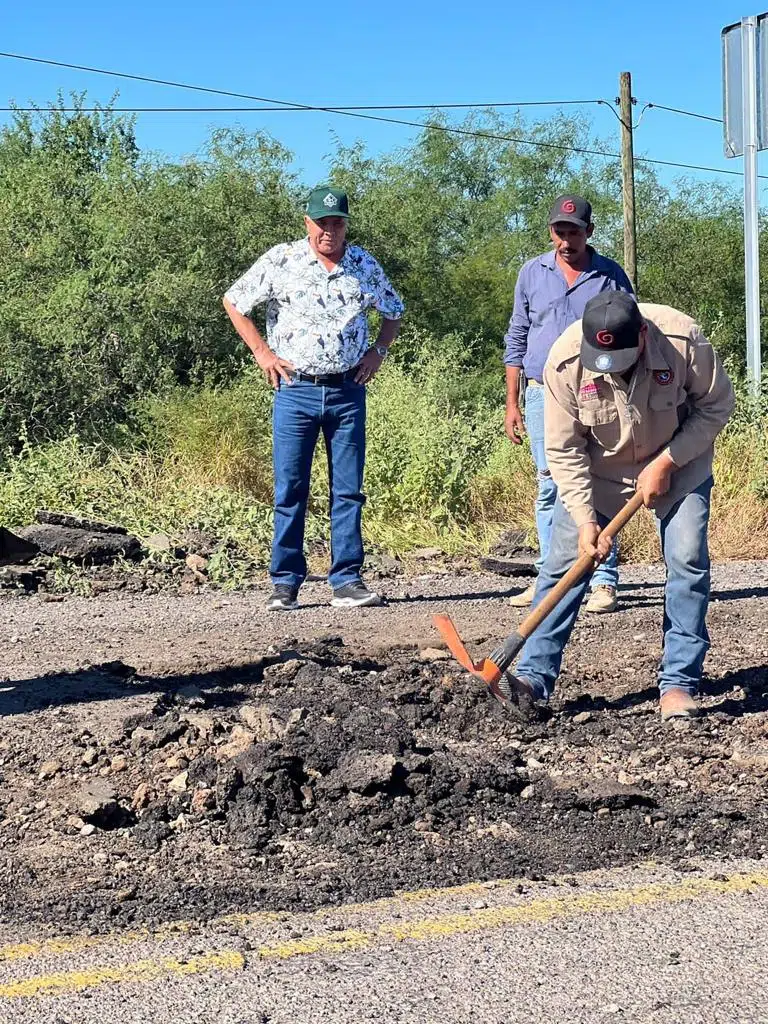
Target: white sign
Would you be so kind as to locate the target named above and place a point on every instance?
(733, 106)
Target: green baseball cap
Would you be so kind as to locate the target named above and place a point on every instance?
(327, 201)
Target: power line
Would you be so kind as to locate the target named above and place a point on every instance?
(687, 113)
(673, 110)
(692, 167)
(288, 105)
(346, 108)
(250, 110)
(390, 120)
(286, 110)
(463, 106)
(413, 124)
(144, 78)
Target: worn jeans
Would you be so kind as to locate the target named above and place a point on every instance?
(683, 533)
(301, 411)
(608, 572)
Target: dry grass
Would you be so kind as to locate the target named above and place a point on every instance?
(504, 497)
(439, 474)
(739, 521)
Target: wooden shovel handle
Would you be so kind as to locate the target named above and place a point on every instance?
(577, 570)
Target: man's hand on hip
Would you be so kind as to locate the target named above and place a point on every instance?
(274, 367)
(514, 425)
(654, 481)
(592, 543)
(368, 366)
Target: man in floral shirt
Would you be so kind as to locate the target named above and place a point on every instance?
(318, 358)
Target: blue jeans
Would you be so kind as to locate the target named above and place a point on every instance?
(683, 533)
(608, 572)
(301, 411)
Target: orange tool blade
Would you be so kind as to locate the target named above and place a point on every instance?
(486, 669)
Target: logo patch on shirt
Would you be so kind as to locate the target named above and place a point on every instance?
(663, 377)
(588, 391)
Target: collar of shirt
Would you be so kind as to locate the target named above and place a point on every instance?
(597, 264)
(339, 268)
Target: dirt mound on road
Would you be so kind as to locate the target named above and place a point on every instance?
(313, 778)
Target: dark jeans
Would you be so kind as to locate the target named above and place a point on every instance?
(301, 411)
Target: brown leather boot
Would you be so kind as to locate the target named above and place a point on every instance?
(677, 703)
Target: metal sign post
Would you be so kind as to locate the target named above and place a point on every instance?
(746, 110)
(751, 226)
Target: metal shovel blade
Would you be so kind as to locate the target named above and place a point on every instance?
(486, 669)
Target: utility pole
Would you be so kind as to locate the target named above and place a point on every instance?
(625, 102)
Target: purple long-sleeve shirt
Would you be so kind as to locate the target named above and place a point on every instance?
(545, 306)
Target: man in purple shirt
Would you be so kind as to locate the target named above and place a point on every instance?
(551, 293)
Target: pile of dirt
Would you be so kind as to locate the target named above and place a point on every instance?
(313, 777)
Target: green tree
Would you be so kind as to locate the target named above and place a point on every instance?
(455, 216)
(113, 263)
(112, 266)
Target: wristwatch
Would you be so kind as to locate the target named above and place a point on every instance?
(381, 350)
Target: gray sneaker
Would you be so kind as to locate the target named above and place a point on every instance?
(354, 595)
(282, 598)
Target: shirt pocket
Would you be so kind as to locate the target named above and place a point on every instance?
(542, 310)
(669, 398)
(603, 423)
(670, 410)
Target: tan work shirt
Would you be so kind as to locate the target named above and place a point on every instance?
(601, 432)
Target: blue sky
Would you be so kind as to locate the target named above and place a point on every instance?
(400, 52)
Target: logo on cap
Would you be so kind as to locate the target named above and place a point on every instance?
(663, 377)
(568, 206)
(330, 200)
(604, 338)
(604, 362)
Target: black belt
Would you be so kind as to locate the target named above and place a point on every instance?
(329, 380)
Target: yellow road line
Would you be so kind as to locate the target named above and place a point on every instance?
(535, 912)
(425, 929)
(64, 944)
(139, 971)
(541, 910)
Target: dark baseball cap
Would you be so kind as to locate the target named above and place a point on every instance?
(610, 327)
(572, 210)
(327, 201)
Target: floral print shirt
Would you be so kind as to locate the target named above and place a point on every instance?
(316, 318)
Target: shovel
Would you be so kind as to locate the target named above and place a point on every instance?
(493, 668)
